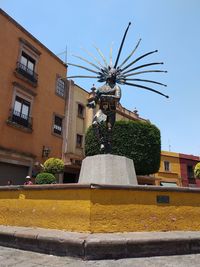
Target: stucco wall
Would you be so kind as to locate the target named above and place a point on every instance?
(93, 208)
(44, 100)
(66, 209)
(175, 169)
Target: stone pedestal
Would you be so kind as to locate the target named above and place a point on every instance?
(107, 169)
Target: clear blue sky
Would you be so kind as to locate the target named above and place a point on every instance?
(171, 26)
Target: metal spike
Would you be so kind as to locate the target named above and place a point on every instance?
(87, 61)
(111, 50)
(147, 88)
(148, 81)
(82, 76)
(92, 56)
(79, 66)
(120, 49)
(145, 71)
(143, 66)
(101, 54)
(149, 53)
(130, 54)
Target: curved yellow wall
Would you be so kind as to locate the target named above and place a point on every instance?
(132, 211)
(107, 209)
(57, 209)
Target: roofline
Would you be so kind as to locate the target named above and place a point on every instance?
(189, 157)
(180, 155)
(81, 88)
(30, 35)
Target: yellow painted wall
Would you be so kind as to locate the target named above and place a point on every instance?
(101, 210)
(134, 211)
(175, 170)
(56, 209)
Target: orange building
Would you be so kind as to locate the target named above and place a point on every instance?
(32, 102)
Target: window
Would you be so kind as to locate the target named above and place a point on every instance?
(60, 87)
(26, 67)
(57, 127)
(190, 172)
(79, 140)
(21, 111)
(28, 63)
(167, 166)
(81, 111)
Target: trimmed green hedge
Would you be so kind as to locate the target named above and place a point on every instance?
(45, 178)
(139, 141)
(54, 165)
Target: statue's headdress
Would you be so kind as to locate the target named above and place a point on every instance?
(121, 74)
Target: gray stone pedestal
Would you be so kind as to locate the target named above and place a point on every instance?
(107, 169)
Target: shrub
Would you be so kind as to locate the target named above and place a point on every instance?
(197, 170)
(54, 165)
(45, 178)
(139, 141)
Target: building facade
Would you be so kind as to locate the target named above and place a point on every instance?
(42, 114)
(187, 164)
(32, 102)
(177, 169)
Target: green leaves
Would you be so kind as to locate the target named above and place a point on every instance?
(45, 178)
(54, 165)
(139, 141)
(197, 170)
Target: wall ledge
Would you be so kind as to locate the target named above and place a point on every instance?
(99, 187)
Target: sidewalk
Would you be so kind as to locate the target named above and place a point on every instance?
(100, 246)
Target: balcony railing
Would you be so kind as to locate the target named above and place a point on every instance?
(27, 73)
(20, 119)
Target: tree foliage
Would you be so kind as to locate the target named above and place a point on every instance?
(53, 165)
(45, 178)
(139, 141)
(197, 170)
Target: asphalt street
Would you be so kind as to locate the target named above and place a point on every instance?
(10, 257)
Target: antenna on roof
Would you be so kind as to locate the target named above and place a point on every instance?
(63, 53)
(169, 145)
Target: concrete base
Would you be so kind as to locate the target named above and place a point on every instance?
(108, 169)
(100, 246)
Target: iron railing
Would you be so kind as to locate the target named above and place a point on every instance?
(26, 72)
(20, 119)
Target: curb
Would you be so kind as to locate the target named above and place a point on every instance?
(100, 246)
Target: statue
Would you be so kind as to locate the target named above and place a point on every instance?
(108, 95)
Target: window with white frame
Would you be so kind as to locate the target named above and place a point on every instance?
(27, 62)
(26, 67)
(57, 125)
(21, 109)
(60, 87)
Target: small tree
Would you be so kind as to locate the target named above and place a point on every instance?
(197, 170)
(45, 178)
(54, 165)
